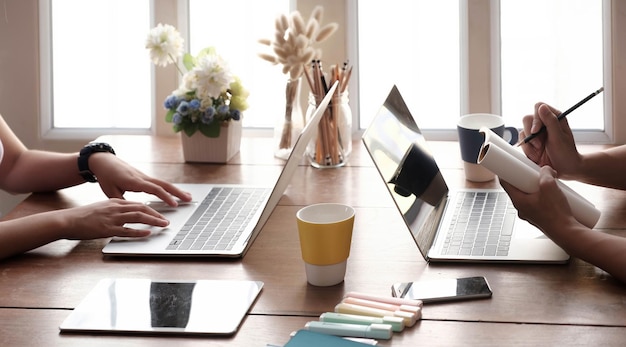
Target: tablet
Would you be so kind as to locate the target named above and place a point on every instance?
(171, 307)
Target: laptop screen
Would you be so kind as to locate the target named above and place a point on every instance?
(399, 151)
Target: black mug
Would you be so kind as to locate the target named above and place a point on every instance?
(471, 140)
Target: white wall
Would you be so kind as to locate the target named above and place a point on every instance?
(19, 99)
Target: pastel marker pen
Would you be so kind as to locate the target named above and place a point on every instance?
(363, 340)
(397, 323)
(384, 306)
(385, 299)
(373, 331)
(409, 318)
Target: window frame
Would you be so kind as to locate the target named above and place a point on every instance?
(47, 131)
(481, 30)
(584, 136)
(614, 72)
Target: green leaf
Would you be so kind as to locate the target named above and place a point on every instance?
(190, 130)
(211, 130)
(206, 51)
(169, 115)
(189, 61)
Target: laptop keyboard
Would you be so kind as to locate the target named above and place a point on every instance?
(482, 225)
(220, 219)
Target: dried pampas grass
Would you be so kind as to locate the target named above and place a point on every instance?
(294, 40)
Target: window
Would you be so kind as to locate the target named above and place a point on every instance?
(558, 60)
(414, 45)
(427, 48)
(548, 51)
(100, 71)
(237, 42)
(105, 81)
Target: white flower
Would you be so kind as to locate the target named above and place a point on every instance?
(187, 85)
(165, 44)
(212, 76)
(208, 95)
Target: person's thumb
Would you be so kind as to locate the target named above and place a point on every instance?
(547, 116)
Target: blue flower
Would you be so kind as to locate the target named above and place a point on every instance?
(210, 112)
(208, 116)
(177, 118)
(222, 109)
(235, 114)
(183, 108)
(194, 104)
(171, 102)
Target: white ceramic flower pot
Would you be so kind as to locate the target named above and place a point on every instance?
(201, 149)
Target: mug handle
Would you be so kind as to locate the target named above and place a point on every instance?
(514, 134)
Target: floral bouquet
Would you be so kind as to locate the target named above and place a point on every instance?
(209, 94)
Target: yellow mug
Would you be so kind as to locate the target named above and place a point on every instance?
(325, 232)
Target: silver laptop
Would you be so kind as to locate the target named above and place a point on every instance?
(464, 225)
(202, 227)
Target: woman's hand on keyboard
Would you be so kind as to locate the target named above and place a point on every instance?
(109, 218)
(99, 220)
(116, 177)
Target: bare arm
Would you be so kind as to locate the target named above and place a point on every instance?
(39, 171)
(557, 148)
(549, 210)
(605, 168)
(99, 220)
(605, 251)
(26, 171)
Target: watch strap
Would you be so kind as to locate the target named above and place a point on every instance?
(83, 159)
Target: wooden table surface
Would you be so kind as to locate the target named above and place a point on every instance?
(571, 304)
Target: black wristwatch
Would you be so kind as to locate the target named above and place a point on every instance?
(83, 158)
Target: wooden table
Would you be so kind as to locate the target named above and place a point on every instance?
(572, 304)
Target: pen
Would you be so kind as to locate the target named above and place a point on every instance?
(409, 318)
(561, 116)
(385, 299)
(397, 323)
(383, 306)
(373, 331)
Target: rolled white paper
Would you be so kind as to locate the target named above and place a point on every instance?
(512, 166)
(491, 137)
(508, 168)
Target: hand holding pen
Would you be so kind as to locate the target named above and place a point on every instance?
(561, 116)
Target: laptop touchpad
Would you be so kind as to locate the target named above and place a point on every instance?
(173, 213)
(162, 207)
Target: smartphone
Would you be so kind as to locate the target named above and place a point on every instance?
(443, 289)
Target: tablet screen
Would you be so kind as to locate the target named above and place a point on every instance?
(143, 305)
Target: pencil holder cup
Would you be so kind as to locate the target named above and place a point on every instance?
(332, 143)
